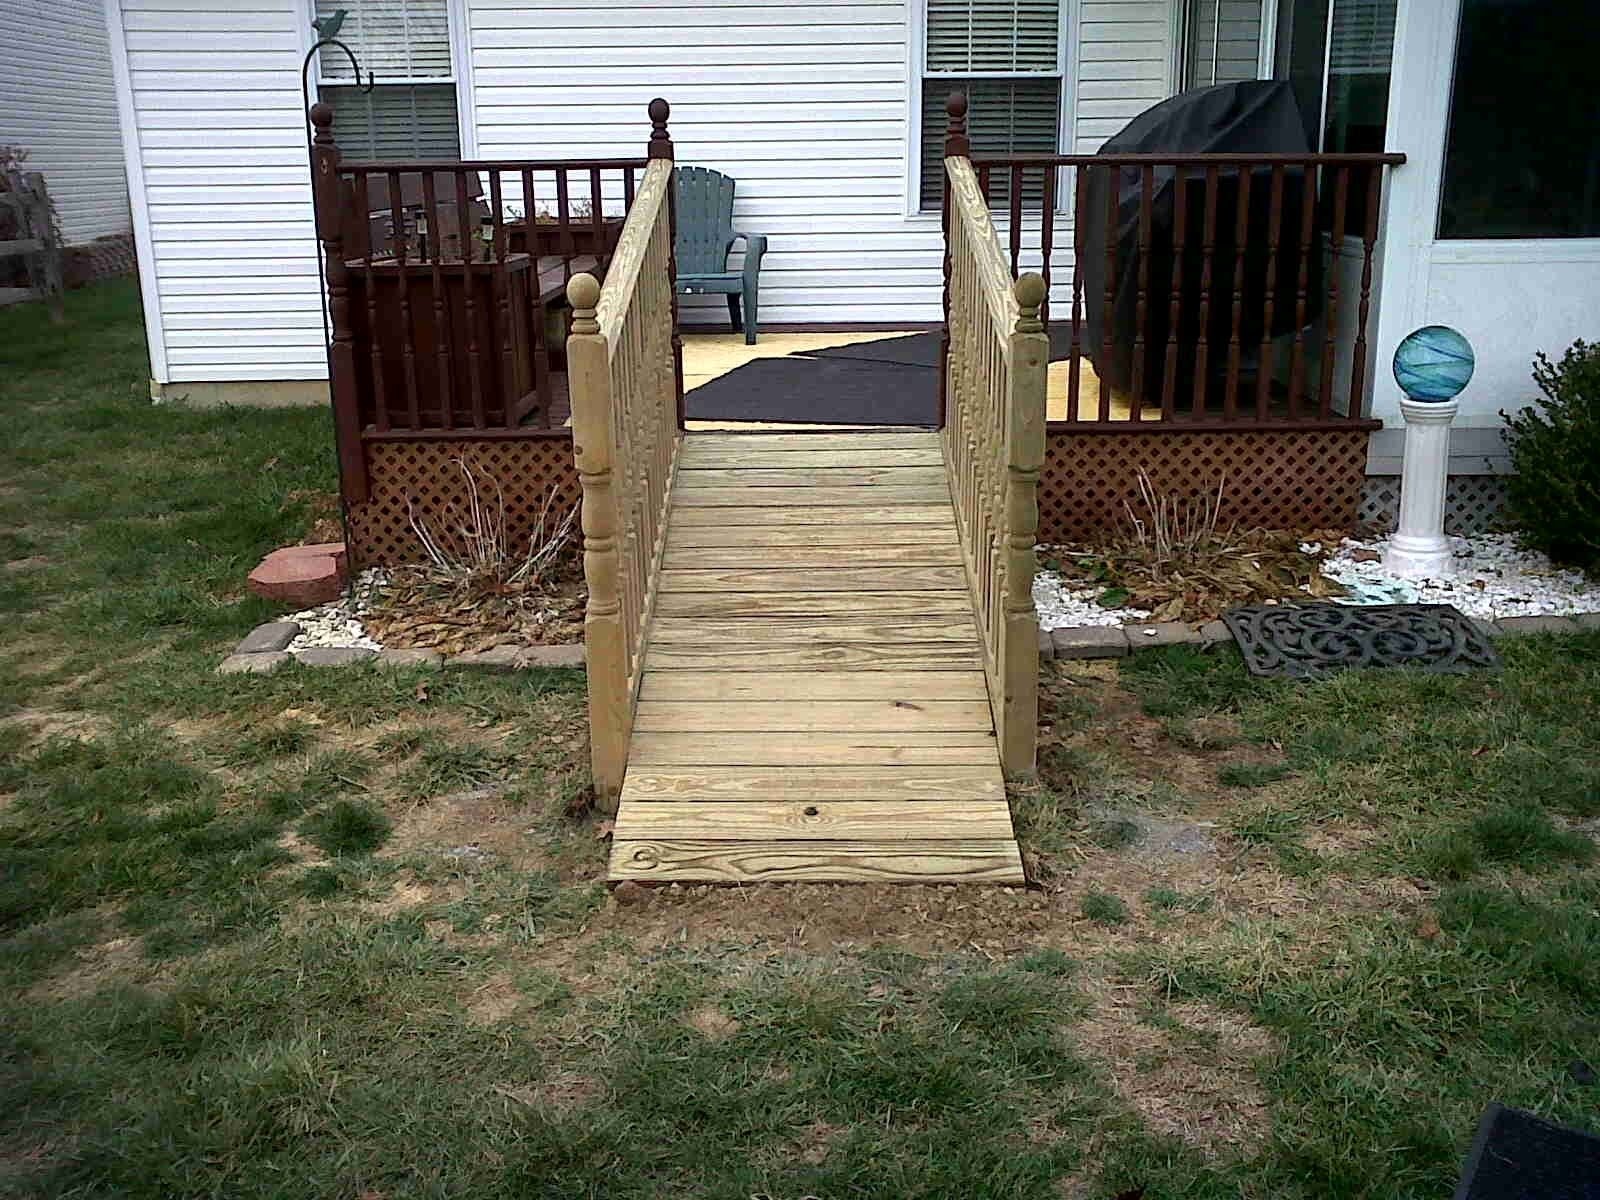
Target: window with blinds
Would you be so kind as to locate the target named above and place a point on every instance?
(1361, 37)
(1006, 56)
(411, 113)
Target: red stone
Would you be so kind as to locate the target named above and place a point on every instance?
(302, 575)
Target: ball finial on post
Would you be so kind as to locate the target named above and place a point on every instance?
(956, 143)
(1029, 290)
(583, 293)
(660, 139)
(322, 121)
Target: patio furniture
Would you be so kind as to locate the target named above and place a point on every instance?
(705, 237)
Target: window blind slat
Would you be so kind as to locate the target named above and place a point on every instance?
(407, 39)
(993, 35)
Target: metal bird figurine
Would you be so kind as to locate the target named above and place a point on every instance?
(329, 26)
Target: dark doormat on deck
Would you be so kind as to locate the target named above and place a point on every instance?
(922, 349)
(830, 391)
(1518, 1156)
(1307, 641)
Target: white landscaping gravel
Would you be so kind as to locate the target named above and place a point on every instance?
(1494, 578)
(338, 623)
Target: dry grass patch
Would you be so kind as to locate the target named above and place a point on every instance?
(1189, 1072)
(493, 1000)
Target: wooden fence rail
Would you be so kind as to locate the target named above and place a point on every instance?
(625, 439)
(994, 450)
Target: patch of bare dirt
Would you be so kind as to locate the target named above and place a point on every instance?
(32, 563)
(44, 723)
(1192, 1075)
(492, 1001)
(405, 895)
(95, 966)
(712, 1022)
(474, 825)
(561, 1092)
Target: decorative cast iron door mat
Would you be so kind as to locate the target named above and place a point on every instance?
(1307, 641)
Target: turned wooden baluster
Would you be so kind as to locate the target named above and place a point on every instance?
(469, 285)
(1341, 192)
(606, 649)
(1169, 360)
(1147, 187)
(408, 328)
(441, 310)
(956, 145)
(1274, 233)
(342, 386)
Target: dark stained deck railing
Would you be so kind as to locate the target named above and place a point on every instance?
(1234, 299)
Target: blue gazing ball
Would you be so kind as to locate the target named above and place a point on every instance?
(1433, 363)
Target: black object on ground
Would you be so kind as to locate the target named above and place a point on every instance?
(830, 391)
(1306, 641)
(1518, 1156)
(1259, 116)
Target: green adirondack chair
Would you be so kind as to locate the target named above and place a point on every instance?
(705, 238)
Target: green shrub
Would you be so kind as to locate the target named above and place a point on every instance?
(1553, 500)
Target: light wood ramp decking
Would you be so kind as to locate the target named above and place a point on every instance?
(813, 704)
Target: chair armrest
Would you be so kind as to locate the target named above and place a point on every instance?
(755, 245)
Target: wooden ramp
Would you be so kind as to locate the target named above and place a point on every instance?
(813, 704)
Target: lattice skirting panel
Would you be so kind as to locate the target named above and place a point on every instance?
(1472, 503)
(425, 479)
(1279, 478)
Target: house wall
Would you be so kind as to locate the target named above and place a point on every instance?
(57, 101)
(809, 106)
(1510, 298)
(217, 165)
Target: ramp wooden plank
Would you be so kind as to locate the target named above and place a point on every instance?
(873, 820)
(820, 656)
(808, 516)
(992, 860)
(821, 440)
(858, 748)
(809, 536)
(702, 478)
(696, 457)
(804, 497)
(717, 716)
(816, 558)
(758, 632)
(722, 785)
(851, 605)
(812, 685)
(845, 579)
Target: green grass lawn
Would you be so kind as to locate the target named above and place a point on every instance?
(339, 933)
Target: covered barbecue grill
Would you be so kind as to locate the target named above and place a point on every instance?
(1253, 117)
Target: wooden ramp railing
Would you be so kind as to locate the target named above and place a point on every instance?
(626, 429)
(994, 449)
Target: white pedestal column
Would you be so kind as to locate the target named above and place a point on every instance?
(1419, 548)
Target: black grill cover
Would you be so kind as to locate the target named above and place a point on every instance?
(1254, 117)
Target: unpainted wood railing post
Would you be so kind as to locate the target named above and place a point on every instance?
(329, 214)
(589, 378)
(1024, 433)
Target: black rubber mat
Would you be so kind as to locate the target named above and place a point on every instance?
(1518, 1156)
(834, 391)
(922, 349)
(1305, 641)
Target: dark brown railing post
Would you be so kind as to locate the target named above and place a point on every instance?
(661, 147)
(341, 346)
(956, 145)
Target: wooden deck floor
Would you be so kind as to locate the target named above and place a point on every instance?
(813, 703)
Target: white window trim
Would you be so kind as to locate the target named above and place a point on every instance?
(916, 59)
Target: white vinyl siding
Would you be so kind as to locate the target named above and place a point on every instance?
(1125, 55)
(804, 104)
(57, 101)
(220, 139)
